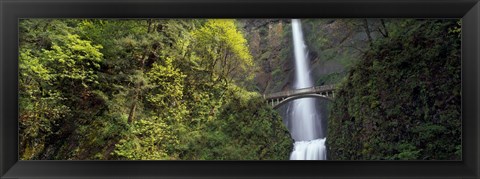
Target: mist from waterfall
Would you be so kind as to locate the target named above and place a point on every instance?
(305, 120)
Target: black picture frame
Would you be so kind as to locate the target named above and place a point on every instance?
(12, 10)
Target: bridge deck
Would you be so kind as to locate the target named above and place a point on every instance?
(284, 94)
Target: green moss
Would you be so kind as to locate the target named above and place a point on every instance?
(402, 100)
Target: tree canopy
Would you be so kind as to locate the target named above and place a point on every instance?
(142, 90)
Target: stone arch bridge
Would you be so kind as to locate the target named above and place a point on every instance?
(278, 99)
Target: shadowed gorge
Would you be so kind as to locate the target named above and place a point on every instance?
(239, 89)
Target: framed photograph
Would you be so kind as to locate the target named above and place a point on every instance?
(248, 89)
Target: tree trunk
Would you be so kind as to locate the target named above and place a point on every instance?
(385, 31)
(367, 30)
(131, 115)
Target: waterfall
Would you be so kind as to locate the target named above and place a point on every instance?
(305, 120)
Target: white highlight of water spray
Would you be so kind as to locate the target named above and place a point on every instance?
(309, 150)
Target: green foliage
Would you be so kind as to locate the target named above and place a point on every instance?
(57, 58)
(167, 85)
(222, 49)
(403, 100)
(141, 90)
(147, 139)
(74, 59)
(332, 78)
(241, 132)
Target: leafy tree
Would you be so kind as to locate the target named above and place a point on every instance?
(222, 50)
(46, 65)
(147, 140)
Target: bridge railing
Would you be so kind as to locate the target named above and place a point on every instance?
(315, 89)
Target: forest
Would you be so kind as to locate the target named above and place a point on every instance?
(192, 89)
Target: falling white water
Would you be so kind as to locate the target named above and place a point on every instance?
(305, 125)
(309, 150)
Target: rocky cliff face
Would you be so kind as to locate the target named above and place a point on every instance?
(270, 48)
(403, 100)
(334, 45)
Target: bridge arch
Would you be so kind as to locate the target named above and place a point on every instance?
(291, 98)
